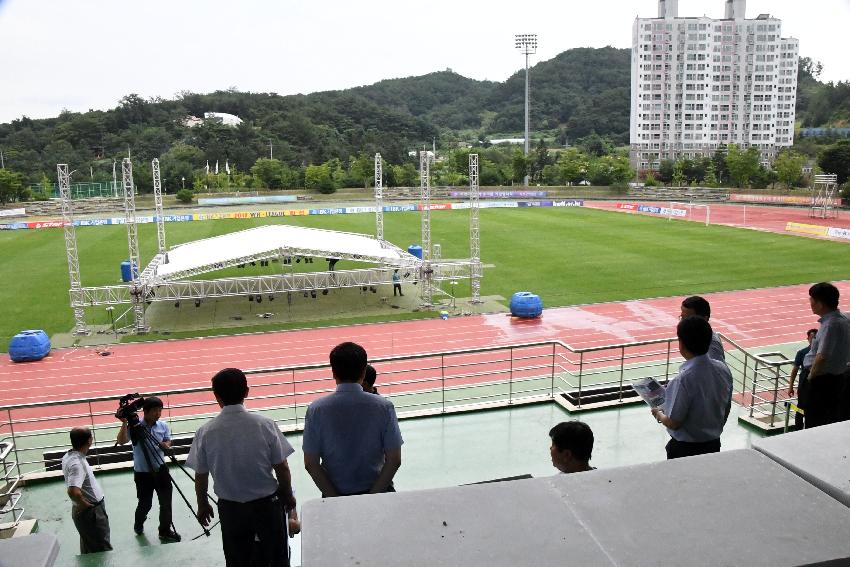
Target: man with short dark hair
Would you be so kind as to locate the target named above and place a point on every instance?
(352, 441)
(698, 400)
(369, 380)
(831, 349)
(699, 306)
(802, 365)
(572, 445)
(88, 510)
(246, 455)
(150, 472)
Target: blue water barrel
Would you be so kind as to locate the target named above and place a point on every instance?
(29, 345)
(125, 271)
(526, 304)
(415, 250)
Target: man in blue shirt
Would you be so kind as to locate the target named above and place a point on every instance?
(697, 401)
(150, 471)
(831, 353)
(352, 441)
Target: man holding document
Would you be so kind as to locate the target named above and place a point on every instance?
(697, 401)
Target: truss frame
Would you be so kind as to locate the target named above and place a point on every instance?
(157, 199)
(133, 243)
(474, 230)
(426, 293)
(379, 198)
(71, 253)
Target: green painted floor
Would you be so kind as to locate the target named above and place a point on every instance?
(438, 452)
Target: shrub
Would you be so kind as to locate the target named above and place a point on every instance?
(185, 196)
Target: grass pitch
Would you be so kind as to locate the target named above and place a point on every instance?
(567, 256)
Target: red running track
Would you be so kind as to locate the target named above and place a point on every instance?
(771, 219)
(753, 318)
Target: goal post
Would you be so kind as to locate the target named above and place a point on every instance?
(690, 209)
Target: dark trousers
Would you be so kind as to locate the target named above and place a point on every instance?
(397, 288)
(678, 449)
(254, 533)
(146, 485)
(824, 403)
(93, 527)
(802, 398)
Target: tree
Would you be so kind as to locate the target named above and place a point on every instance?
(318, 177)
(185, 196)
(10, 186)
(789, 168)
(574, 166)
(269, 172)
(679, 179)
(538, 161)
(743, 165)
(610, 170)
(710, 179)
(519, 166)
(836, 159)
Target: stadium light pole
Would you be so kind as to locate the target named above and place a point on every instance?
(527, 44)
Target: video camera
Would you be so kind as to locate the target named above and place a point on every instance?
(128, 406)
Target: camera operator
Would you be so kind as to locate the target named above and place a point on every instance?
(151, 473)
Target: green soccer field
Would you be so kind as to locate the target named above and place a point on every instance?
(567, 256)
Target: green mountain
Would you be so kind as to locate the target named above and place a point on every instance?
(579, 92)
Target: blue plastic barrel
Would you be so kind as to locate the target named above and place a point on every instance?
(415, 250)
(526, 304)
(125, 271)
(29, 345)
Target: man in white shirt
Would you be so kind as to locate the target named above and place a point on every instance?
(246, 455)
(88, 510)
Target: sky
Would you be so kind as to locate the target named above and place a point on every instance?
(88, 54)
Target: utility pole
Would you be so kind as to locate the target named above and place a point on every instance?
(2, 160)
(271, 150)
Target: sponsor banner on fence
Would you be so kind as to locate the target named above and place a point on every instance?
(839, 233)
(627, 206)
(13, 212)
(45, 224)
(501, 194)
(812, 229)
(778, 199)
(572, 203)
(666, 211)
(247, 200)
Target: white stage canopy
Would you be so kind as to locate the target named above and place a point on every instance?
(266, 242)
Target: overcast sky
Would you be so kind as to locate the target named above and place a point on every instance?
(87, 54)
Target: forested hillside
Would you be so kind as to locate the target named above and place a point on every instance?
(578, 93)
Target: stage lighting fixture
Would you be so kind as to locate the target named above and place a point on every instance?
(373, 289)
(240, 266)
(259, 299)
(197, 303)
(298, 260)
(324, 292)
(176, 304)
(250, 298)
(305, 294)
(253, 263)
(313, 294)
(365, 288)
(271, 297)
(407, 274)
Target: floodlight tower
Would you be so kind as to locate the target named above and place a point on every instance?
(379, 198)
(527, 44)
(474, 231)
(425, 186)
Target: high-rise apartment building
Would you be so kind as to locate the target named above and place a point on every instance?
(700, 84)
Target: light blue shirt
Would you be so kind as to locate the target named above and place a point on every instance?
(239, 449)
(715, 349)
(699, 398)
(833, 342)
(350, 431)
(160, 432)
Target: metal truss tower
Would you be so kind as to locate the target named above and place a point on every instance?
(823, 196)
(379, 198)
(136, 289)
(474, 231)
(157, 198)
(75, 292)
(425, 186)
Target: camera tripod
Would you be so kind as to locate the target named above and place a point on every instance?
(141, 435)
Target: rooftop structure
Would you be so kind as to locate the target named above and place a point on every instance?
(700, 84)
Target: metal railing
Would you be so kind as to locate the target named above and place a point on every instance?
(418, 385)
(10, 480)
(760, 382)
